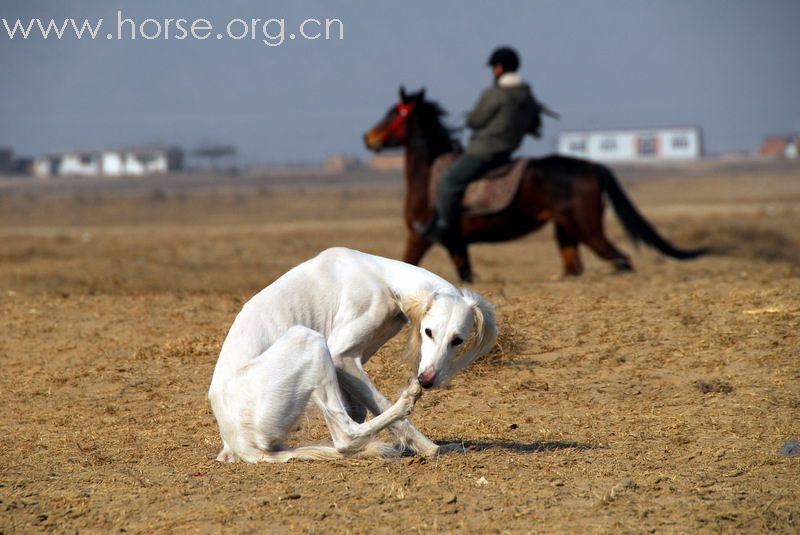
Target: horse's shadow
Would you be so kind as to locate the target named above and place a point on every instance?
(452, 445)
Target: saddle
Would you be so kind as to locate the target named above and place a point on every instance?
(491, 193)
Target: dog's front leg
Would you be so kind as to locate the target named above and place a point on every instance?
(355, 381)
(405, 432)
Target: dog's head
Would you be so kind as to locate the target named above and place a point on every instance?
(444, 324)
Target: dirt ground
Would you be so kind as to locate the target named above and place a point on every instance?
(650, 402)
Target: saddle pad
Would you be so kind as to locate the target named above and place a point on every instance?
(488, 195)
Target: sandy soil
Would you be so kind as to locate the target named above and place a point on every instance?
(650, 402)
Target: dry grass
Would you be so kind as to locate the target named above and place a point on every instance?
(655, 402)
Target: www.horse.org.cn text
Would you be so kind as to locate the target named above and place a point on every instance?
(268, 31)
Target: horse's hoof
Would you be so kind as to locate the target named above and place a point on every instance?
(623, 266)
(466, 276)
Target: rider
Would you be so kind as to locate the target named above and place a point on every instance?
(501, 118)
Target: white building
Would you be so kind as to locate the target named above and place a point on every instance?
(633, 144)
(114, 162)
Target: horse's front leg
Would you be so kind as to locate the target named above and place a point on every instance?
(357, 384)
(460, 257)
(416, 247)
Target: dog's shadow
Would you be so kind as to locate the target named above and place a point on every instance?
(447, 446)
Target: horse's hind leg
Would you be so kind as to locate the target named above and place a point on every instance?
(594, 237)
(568, 246)
(589, 214)
(604, 249)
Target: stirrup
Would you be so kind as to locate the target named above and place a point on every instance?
(424, 229)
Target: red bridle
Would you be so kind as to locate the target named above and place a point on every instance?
(403, 111)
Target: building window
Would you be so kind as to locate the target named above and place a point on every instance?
(648, 145)
(577, 146)
(609, 144)
(146, 159)
(85, 159)
(680, 142)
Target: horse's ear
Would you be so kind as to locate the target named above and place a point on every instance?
(403, 96)
(421, 95)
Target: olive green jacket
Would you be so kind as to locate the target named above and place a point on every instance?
(503, 115)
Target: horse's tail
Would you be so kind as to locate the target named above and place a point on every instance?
(637, 227)
(373, 449)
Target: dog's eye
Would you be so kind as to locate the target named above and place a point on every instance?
(429, 334)
(457, 341)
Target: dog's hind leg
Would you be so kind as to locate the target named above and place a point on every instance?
(261, 404)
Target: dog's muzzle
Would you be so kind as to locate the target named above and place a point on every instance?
(427, 379)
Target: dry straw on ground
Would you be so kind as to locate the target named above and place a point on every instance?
(651, 402)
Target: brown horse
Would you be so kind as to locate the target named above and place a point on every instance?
(567, 191)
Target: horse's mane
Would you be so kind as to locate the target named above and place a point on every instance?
(437, 131)
(434, 107)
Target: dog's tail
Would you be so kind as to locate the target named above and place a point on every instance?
(637, 227)
(373, 449)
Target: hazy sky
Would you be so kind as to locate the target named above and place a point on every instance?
(729, 66)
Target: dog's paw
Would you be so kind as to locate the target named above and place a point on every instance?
(227, 456)
(409, 398)
(429, 451)
(414, 389)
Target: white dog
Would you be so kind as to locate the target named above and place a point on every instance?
(309, 333)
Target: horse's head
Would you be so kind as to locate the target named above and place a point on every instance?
(441, 323)
(393, 129)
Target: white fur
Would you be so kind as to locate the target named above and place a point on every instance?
(307, 335)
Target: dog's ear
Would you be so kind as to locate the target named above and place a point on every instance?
(414, 307)
(485, 323)
(485, 332)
